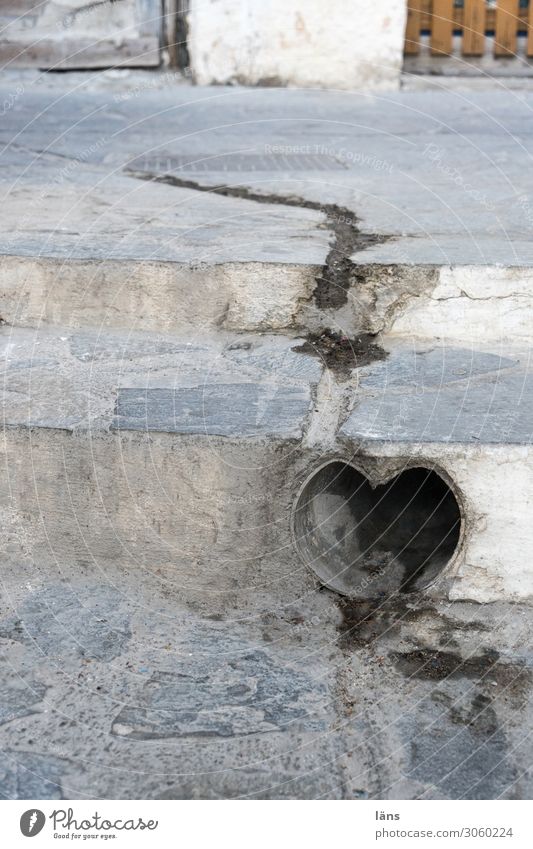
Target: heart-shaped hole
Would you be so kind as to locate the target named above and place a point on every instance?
(363, 541)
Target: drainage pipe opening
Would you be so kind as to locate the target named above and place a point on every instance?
(364, 541)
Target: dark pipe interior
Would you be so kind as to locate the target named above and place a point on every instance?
(364, 541)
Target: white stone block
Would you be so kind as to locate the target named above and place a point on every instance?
(346, 44)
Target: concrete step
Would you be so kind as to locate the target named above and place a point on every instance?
(131, 445)
(88, 257)
(287, 210)
(183, 487)
(162, 633)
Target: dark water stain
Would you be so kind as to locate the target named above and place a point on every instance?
(480, 717)
(341, 353)
(365, 620)
(434, 665)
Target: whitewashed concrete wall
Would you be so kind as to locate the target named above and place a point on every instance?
(346, 44)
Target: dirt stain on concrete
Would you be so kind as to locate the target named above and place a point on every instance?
(341, 353)
(514, 679)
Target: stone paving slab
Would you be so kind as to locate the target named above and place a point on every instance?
(243, 410)
(493, 412)
(216, 705)
(95, 215)
(216, 385)
(444, 395)
(447, 177)
(250, 386)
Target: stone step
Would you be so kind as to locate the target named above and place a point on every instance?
(86, 255)
(231, 448)
(160, 211)
(180, 481)
(156, 609)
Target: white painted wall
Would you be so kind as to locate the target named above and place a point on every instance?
(343, 44)
(474, 305)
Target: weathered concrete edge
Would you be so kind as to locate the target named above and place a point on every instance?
(154, 295)
(478, 304)
(491, 561)
(481, 304)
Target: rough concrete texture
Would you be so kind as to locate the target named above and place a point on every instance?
(428, 200)
(344, 45)
(100, 407)
(116, 688)
(208, 297)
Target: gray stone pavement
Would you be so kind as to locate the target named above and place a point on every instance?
(256, 385)
(447, 177)
(113, 687)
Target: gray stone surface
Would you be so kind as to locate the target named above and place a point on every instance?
(421, 368)
(190, 705)
(240, 693)
(245, 387)
(444, 395)
(448, 177)
(221, 384)
(231, 409)
(464, 754)
(18, 695)
(56, 622)
(25, 775)
(298, 697)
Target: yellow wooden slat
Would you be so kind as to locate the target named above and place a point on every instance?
(474, 28)
(506, 28)
(529, 48)
(412, 29)
(458, 17)
(442, 27)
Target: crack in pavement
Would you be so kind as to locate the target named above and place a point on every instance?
(334, 282)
